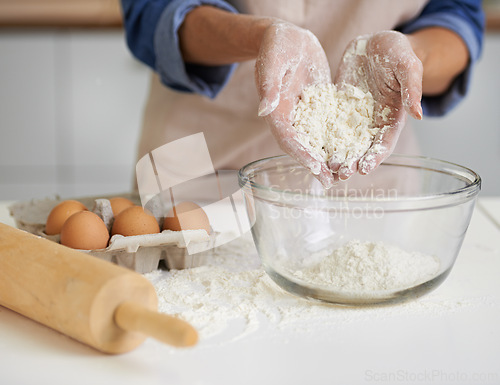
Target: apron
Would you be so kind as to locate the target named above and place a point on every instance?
(235, 135)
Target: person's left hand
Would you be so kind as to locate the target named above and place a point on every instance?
(385, 65)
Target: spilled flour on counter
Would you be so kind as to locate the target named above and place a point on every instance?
(232, 288)
(364, 268)
(335, 122)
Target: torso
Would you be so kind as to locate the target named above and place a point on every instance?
(234, 133)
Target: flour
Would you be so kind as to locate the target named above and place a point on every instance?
(232, 286)
(335, 123)
(232, 297)
(368, 268)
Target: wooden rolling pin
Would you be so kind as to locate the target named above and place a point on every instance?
(108, 307)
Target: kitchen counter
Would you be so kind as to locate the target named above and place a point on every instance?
(450, 336)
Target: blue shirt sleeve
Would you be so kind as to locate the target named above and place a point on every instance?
(465, 18)
(151, 30)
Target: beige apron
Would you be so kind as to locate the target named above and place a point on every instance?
(234, 133)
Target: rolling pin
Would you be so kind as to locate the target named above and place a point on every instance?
(108, 307)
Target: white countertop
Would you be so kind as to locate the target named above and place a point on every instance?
(450, 336)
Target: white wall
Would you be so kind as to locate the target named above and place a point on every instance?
(70, 111)
(71, 105)
(470, 134)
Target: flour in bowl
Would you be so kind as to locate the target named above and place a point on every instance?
(362, 268)
(335, 122)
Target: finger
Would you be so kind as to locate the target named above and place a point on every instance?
(381, 148)
(326, 177)
(269, 87)
(345, 173)
(318, 168)
(409, 74)
(390, 121)
(334, 164)
(286, 137)
(372, 159)
(266, 106)
(315, 164)
(348, 168)
(270, 69)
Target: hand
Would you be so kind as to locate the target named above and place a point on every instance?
(290, 59)
(385, 65)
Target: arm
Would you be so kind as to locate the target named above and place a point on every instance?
(444, 56)
(211, 36)
(425, 71)
(463, 22)
(288, 59)
(193, 46)
(140, 18)
(151, 29)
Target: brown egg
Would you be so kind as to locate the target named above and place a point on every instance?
(60, 213)
(135, 221)
(85, 230)
(118, 204)
(186, 216)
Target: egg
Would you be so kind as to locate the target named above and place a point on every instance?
(60, 214)
(85, 230)
(118, 204)
(135, 221)
(186, 216)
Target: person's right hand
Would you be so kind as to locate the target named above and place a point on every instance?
(289, 60)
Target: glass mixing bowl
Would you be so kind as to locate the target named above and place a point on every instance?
(384, 237)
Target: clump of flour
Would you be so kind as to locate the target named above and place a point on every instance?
(368, 268)
(335, 123)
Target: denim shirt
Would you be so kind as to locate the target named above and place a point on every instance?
(151, 31)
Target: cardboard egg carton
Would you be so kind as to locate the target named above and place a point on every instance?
(141, 253)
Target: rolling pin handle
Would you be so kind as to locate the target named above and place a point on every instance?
(133, 317)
